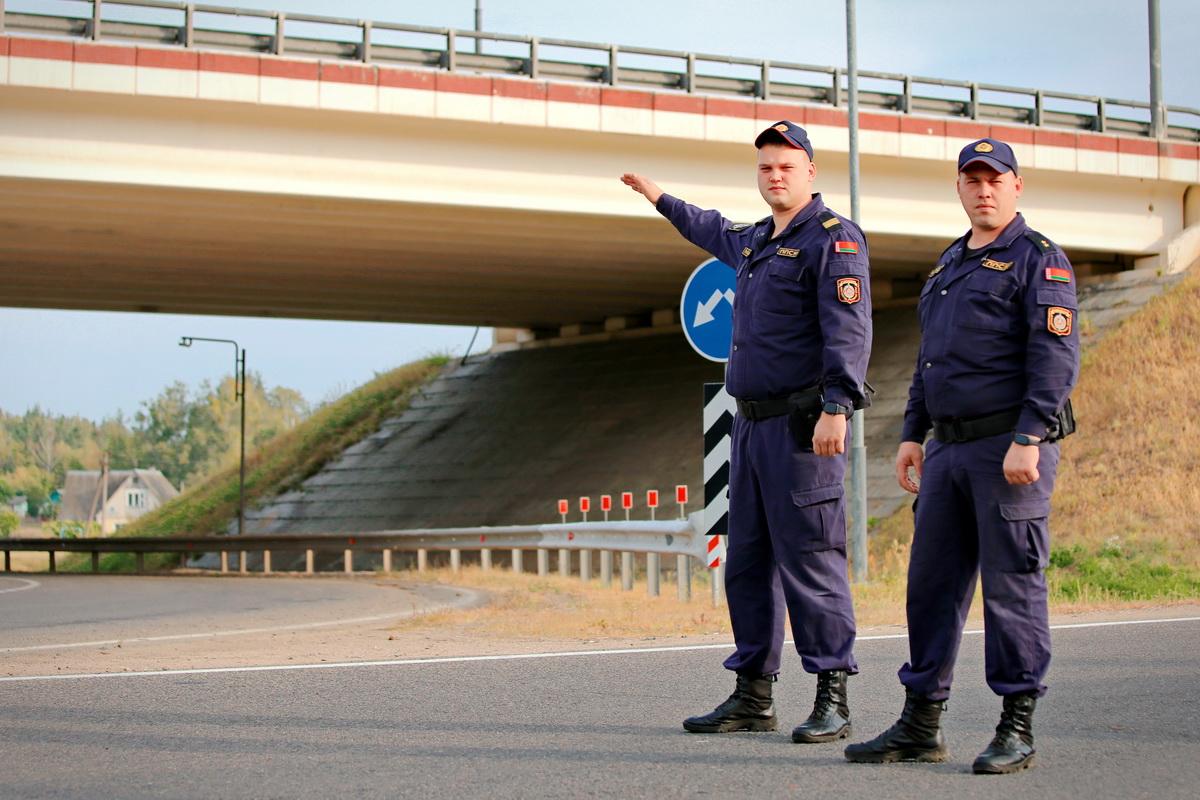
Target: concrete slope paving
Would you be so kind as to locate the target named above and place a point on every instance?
(1119, 722)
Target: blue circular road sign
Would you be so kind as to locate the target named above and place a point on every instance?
(706, 309)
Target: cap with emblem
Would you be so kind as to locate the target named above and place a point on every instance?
(991, 152)
(785, 132)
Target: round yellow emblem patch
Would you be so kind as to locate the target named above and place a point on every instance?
(984, 147)
(781, 128)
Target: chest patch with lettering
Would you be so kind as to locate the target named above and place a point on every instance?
(934, 272)
(746, 251)
(787, 252)
(846, 247)
(849, 290)
(1058, 320)
(999, 266)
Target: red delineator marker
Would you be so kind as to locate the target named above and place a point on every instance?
(585, 504)
(626, 500)
(681, 494)
(564, 506)
(606, 502)
(652, 498)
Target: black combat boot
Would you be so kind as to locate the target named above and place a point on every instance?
(916, 736)
(830, 717)
(1011, 749)
(749, 708)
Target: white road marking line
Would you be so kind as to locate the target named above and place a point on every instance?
(213, 634)
(28, 584)
(514, 657)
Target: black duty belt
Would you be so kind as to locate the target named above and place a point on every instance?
(778, 406)
(968, 430)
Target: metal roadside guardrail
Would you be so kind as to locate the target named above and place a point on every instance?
(307, 35)
(679, 537)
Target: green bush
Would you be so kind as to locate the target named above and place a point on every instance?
(8, 522)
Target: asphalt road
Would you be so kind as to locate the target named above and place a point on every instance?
(1121, 721)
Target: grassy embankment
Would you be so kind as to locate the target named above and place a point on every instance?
(1125, 524)
(280, 465)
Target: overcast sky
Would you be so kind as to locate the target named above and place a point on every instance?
(58, 359)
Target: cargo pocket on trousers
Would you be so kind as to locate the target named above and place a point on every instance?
(1026, 545)
(820, 518)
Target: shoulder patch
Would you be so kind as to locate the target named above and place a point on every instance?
(1044, 245)
(829, 221)
(738, 227)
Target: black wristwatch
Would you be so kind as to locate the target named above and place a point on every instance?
(1024, 439)
(837, 408)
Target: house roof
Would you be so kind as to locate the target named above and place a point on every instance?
(80, 489)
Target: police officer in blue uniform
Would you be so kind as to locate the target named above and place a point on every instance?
(999, 355)
(801, 342)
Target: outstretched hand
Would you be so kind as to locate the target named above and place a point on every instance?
(643, 186)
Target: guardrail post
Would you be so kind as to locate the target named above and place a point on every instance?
(95, 561)
(612, 65)
(835, 89)
(1037, 107)
(764, 81)
(224, 561)
(387, 559)
(606, 568)
(95, 32)
(485, 559)
(280, 20)
(139, 560)
(309, 565)
(974, 106)
(627, 571)
(683, 577)
(7, 554)
(266, 562)
(348, 562)
(422, 559)
(543, 560)
(906, 101)
(243, 567)
(2, 31)
(451, 60)
(653, 573)
(1101, 113)
(455, 560)
(585, 565)
(533, 58)
(364, 49)
(189, 25)
(690, 85)
(518, 561)
(564, 563)
(53, 564)
(717, 576)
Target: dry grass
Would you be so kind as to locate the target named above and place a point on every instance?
(1126, 504)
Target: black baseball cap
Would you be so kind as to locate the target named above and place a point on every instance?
(992, 152)
(785, 132)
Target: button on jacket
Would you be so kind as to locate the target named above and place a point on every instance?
(998, 332)
(802, 306)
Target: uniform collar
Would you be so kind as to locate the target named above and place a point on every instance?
(958, 268)
(1007, 236)
(814, 206)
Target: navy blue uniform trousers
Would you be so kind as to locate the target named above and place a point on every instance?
(786, 552)
(968, 515)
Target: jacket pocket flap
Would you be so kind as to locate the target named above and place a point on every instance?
(808, 497)
(1030, 509)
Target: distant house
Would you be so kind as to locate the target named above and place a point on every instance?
(131, 493)
(18, 505)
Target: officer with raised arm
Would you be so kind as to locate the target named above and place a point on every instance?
(797, 367)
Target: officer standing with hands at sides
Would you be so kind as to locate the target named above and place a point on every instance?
(999, 355)
(797, 366)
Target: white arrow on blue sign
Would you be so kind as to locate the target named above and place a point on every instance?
(706, 309)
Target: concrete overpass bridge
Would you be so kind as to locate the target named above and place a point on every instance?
(346, 170)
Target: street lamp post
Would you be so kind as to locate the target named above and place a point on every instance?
(239, 383)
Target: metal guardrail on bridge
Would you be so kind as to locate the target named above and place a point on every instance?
(680, 537)
(280, 33)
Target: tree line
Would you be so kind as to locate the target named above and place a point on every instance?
(186, 434)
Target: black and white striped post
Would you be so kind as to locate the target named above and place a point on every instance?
(719, 409)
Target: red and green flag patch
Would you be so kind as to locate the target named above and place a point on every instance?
(1057, 274)
(846, 247)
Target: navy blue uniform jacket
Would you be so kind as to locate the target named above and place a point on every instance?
(802, 303)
